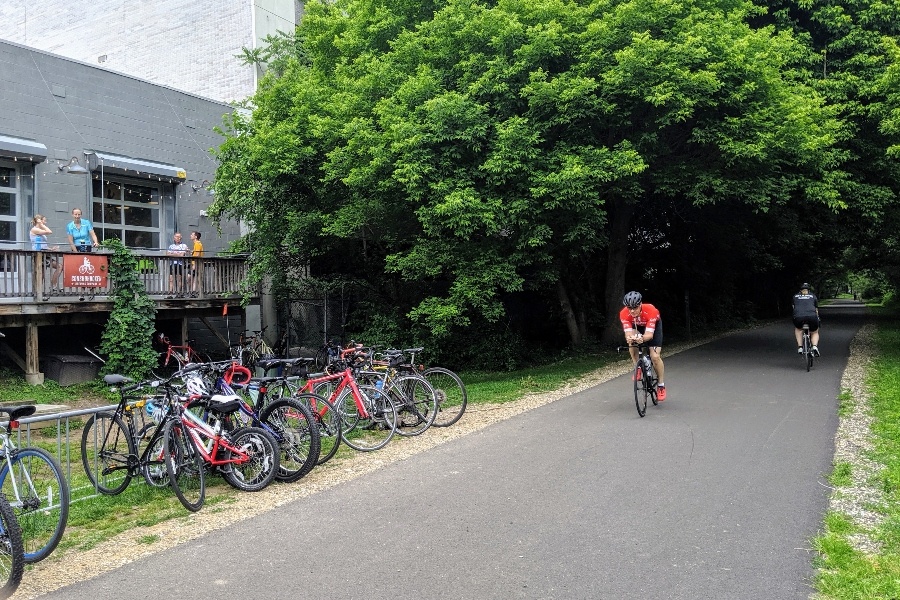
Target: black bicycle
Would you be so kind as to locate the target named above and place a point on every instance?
(127, 442)
(645, 379)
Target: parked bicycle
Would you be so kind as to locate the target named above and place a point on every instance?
(645, 379)
(247, 457)
(176, 356)
(121, 444)
(285, 418)
(448, 388)
(35, 487)
(411, 393)
(368, 417)
(12, 553)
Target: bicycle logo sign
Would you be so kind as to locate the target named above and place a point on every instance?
(85, 271)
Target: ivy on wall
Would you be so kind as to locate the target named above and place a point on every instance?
(127, 337)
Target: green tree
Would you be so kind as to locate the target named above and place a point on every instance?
(126, 339)
(460, 152)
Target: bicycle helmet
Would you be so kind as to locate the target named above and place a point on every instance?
(196, 386)
(632, 299)
(805, 286)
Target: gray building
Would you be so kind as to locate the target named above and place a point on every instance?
(133, 156)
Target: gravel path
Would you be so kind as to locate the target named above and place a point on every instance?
(59, 571)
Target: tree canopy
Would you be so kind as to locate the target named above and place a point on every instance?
(464, 159)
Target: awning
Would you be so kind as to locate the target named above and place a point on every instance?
(115, 164)
(21, 148)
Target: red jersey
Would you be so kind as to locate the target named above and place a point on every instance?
(647, 318)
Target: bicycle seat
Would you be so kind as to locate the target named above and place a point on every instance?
(19, 412)
(219, 403)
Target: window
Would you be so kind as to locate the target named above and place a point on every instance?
(130, 211)
(9, 204)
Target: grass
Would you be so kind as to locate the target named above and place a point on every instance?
(14, 388)
(844, 571)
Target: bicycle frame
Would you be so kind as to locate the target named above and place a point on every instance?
(346, 379)
(214, 441)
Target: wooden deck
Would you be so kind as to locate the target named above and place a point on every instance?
(30, 298)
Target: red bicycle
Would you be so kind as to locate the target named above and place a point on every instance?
(368, 416)
(173, 356)
(247, 457)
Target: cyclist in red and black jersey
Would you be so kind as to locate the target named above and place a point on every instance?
(643, 323)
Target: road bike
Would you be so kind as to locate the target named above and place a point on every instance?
(644, 377)
(177, 356)
(35, 487)
(806, 345)
(12, 553)
(368, 417)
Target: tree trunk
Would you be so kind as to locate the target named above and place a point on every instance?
(620, 214)
(569, 314)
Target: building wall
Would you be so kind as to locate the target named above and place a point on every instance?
(184, 44)
(71, 107)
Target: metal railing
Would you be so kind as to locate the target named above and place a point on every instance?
(68, 426)
(29, 275)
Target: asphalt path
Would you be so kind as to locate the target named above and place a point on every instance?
(716, 493)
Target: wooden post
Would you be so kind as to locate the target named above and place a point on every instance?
(33, 373)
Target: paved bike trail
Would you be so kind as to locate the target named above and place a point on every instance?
(714, 494)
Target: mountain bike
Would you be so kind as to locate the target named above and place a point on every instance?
(35, 487)
(645, 380)
(806, 345)
(175, 355)
(12, 553)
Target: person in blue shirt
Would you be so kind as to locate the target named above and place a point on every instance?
(82, 237)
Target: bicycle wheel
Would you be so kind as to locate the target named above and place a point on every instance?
(371, 429)
(297, 435)
(257, 472)
(42, 503)
(328, 421)
(451, 395)
(153, 468)
(416, 404)
(809, 355)
(12, 559)
(107, 451)
(640, 395)
(184, 466)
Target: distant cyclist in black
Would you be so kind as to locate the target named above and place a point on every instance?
(806, 310)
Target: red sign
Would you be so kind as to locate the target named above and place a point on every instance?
(85, 270)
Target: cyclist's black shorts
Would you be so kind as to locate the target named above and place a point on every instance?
(657, 333)
(813, 322)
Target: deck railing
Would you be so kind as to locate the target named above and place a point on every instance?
(28, 275)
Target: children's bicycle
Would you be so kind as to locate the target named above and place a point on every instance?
(34, 484)
(645, 379)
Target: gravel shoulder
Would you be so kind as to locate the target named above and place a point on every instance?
(57, 572)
